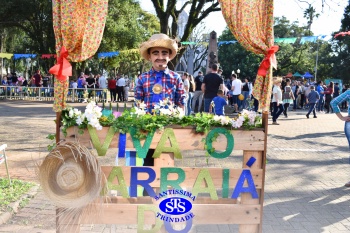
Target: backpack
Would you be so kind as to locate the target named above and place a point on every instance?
(287, 93)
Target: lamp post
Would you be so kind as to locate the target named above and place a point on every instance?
(238, 71)
(316, 62)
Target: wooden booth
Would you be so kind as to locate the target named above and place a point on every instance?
(243, 205)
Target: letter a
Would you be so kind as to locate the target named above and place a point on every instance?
(246, 175)
(168, 134)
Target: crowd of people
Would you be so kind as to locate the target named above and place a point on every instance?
(98, 85)
(36, 80)
(95, 86)
(313, 96)
(212, 92)
(16, 84)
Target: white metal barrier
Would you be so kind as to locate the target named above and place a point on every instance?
(47, 93)
(3, 159)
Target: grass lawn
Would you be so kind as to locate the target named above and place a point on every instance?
(11, 193)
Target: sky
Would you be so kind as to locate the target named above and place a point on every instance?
(329, 20)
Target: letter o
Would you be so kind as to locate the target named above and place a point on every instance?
(169, 227)
(209, 143)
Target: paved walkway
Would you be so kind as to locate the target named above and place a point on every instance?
(308, 165)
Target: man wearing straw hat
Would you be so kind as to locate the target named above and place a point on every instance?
(159, 83)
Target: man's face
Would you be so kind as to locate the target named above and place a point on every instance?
(159, 57)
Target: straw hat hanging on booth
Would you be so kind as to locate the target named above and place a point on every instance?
(159, 40)
(70, 176)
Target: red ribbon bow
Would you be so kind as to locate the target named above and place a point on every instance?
(270, 59)
(63, 68)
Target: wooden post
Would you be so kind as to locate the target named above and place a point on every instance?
(58, 123)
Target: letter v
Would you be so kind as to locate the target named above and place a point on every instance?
(141, 150)
(101, 149)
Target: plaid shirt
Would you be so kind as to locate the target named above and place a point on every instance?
(172, 88)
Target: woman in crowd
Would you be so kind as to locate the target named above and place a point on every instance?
(344, 97)
(277, 100)
(112, 86)
(288, 97)
(190, 94)
(328, 96)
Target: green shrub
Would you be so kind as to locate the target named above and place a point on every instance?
(11, 193)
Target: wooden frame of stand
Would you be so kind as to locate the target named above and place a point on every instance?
(247, 212)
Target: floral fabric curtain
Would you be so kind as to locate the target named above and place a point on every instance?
(251, 23)
(78, 27)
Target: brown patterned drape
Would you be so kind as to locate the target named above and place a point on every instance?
(251, 23)
(78, 26)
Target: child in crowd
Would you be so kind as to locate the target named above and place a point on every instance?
(218, 104)
(313, 98)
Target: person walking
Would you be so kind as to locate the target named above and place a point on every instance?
(277, 100)
(198, 94)
(236, 89)
(313, 97)
(287, 98)
(344, 97)
(320, 91)
(211, 84)
(328, 96)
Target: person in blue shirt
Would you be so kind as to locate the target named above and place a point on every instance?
(313, 98)
(218, 103)
(345, 96)
(320, 91)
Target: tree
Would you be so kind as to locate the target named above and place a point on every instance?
(127, 26)
(310, 14)
(199, 10)
(34, 18)
(341, 48)
(197, 49)
(234, 56)
(291, 57)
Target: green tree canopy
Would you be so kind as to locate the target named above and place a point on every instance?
(293, 57)
(127, 26)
